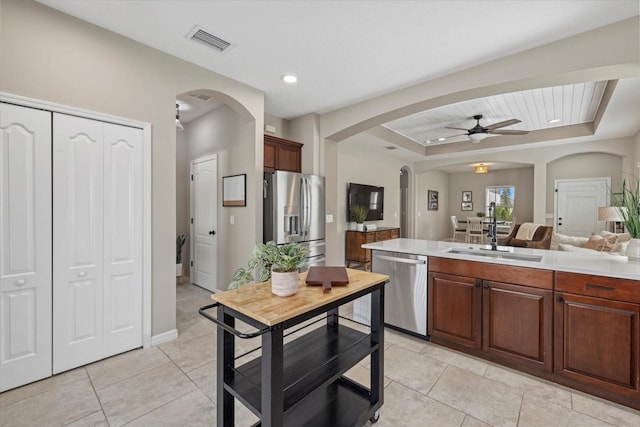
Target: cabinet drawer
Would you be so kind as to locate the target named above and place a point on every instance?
(599, 286)
(383, 235)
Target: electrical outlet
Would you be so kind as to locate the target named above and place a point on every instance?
(232, 219)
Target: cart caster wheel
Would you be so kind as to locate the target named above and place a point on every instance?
(376, 416)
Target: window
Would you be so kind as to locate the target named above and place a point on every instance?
(504, 197)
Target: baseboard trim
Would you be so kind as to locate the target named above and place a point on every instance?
(164, 337)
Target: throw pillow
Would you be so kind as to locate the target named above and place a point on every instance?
(599, 243)
(558, 239)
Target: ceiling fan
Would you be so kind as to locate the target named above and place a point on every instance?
(478, 132)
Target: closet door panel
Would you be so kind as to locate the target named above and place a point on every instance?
(78, 241)
(25, 245)
(123, 238)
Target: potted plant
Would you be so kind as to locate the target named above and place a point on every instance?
(480, 214)
(278, 263)
(180, 241)
(628, 204)
(359, 214)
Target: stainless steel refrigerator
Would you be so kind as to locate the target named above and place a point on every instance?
(294, 211)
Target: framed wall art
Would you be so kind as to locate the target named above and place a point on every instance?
(433, 200)
(234, 190)
(466, 196)
(467, 206)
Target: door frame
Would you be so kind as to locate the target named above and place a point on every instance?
(146, 174)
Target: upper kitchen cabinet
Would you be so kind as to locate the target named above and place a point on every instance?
(282, 154)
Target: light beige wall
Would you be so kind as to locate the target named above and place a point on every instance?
(305, 130)
(47, 55)
(432, 225)
(281, 125)
(637, 155)
(578, 166)
(182, 194)
(520, 178)
(362, 166)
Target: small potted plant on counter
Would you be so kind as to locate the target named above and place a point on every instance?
(359, 214)
(278, 263)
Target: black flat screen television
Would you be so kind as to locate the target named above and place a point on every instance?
(368, 196)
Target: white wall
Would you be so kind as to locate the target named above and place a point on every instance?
(47, 55)
(182, 194)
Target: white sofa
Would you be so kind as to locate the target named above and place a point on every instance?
(604, 242)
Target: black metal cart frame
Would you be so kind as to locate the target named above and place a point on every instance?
(302, 382)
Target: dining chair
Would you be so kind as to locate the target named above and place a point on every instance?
(457, 229)
(475, 232)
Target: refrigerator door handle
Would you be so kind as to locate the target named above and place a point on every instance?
(307, 207)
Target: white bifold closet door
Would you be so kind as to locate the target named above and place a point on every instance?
(25, 245)
(97, 240)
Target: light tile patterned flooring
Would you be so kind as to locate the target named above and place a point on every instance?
(174, 385)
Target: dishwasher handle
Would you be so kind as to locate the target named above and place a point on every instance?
(401, 260)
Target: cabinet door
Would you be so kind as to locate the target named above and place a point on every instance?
(517, 324)
(288, 158)
(355, 252)
(596, 342)
(269, 156)
(77, 241)
(455, 305)
(25, 245)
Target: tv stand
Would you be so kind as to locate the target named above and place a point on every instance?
(355, 254)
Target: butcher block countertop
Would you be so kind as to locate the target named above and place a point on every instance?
(257, 301)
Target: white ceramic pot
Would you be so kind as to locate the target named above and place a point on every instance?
(633, 249)
(360, 227)
(284, 284)
(178, 270)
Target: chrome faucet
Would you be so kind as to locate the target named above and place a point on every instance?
(493, 226)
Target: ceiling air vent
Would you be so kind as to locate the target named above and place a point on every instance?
(391, 147)
(202, 36)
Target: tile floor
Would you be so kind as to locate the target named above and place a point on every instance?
(174, 385)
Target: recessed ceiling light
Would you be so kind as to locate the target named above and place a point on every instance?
(289, 78)
(553, 121)
(441, 139)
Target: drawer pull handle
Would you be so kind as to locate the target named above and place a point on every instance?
(21, 282)
(599, 287)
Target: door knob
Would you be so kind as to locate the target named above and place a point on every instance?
(212, 232)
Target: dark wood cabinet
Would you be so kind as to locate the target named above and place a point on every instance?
(356, 254)
(517, 324)
(455, 306)
(597, 329)
(505, 322)
(282, 154)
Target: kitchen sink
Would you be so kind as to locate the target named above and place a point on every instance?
(495, 254)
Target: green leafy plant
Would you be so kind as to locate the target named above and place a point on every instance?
(180, 241)
(480, 214)
(267, 257)
(359, 213)
(628, 204)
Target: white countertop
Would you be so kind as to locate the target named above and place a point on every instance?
(574, 262)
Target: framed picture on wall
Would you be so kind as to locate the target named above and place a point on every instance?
(433, 200)
(234, 190)
(467, 206)
(466, 196)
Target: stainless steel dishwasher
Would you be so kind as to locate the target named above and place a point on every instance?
(405, 296)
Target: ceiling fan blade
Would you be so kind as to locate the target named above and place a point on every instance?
(510, 132)
(503, 124)
(449, 127)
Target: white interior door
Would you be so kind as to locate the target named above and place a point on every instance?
(576, 205)
(25, 245)
(97, 240)
(204, 216)
(123, 195)
(78, 162)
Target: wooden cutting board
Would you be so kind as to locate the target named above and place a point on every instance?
(327, 277)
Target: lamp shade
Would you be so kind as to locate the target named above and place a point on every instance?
(611, 213)
(481, 169)
(477, 137)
